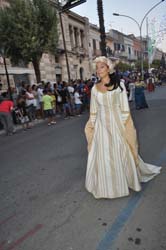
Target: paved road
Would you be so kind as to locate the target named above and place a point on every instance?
(43, 202)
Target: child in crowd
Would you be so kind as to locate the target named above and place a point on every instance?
(47, 107)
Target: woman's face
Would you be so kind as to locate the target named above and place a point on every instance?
(102, 69)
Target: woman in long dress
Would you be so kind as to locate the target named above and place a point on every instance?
(140, 100)
(113, 164)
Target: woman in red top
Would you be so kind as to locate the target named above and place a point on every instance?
(6, 107)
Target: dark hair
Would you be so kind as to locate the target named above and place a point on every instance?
(114, 81)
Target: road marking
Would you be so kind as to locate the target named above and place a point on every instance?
(107, 242)
(24, 237)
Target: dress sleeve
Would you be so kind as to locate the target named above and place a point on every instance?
(124, 105)
(130, 131)
(93, 107)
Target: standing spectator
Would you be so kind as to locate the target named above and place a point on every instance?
(48, 87)
(22, 89)
(150, 84)
(39, 100)
(47, 107)
(35, 101)
(78, 102)
(87, 94)
(6, 107)
(14, 96)
(53, 101)
(65, 101)
(57, 93)
(131, 91)
(30, 99)
(70, 89)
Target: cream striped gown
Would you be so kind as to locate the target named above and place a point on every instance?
(111, 167)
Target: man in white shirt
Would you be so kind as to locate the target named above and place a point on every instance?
(39, 99)
(78, 102)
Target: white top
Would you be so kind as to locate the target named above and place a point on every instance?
(77, 98)
(70, 89)
(29, 101)
(40, 94)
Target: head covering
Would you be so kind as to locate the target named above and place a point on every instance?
(105, 60)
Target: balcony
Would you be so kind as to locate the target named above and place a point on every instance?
(79, 51)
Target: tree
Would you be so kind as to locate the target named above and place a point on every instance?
(156, 64)
(28, 28)
(101, 26)
(123, 66)
(138, 65)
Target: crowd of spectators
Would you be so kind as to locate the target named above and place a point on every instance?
(47, 101)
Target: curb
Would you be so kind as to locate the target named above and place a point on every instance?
(19, 127)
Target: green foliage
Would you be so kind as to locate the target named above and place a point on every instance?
(27, 29)
(156, 64)
(138, 65)
(123, 66)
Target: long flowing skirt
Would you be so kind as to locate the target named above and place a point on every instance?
(140, 101)
(111, 167)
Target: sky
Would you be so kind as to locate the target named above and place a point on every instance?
(136, 9)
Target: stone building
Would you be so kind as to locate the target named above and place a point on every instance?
(76, 38)
(78, 45)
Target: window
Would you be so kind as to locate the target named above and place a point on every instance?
(82, 38)
(75, 37)
(94, 46)
(123, 47)
(129, 50)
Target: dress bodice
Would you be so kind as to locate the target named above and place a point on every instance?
(107, 99)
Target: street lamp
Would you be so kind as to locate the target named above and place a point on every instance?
(140, 29)
(2, 54)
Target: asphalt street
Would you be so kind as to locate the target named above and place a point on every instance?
(43, 201)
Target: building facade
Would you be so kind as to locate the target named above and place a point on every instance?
(78, 45)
